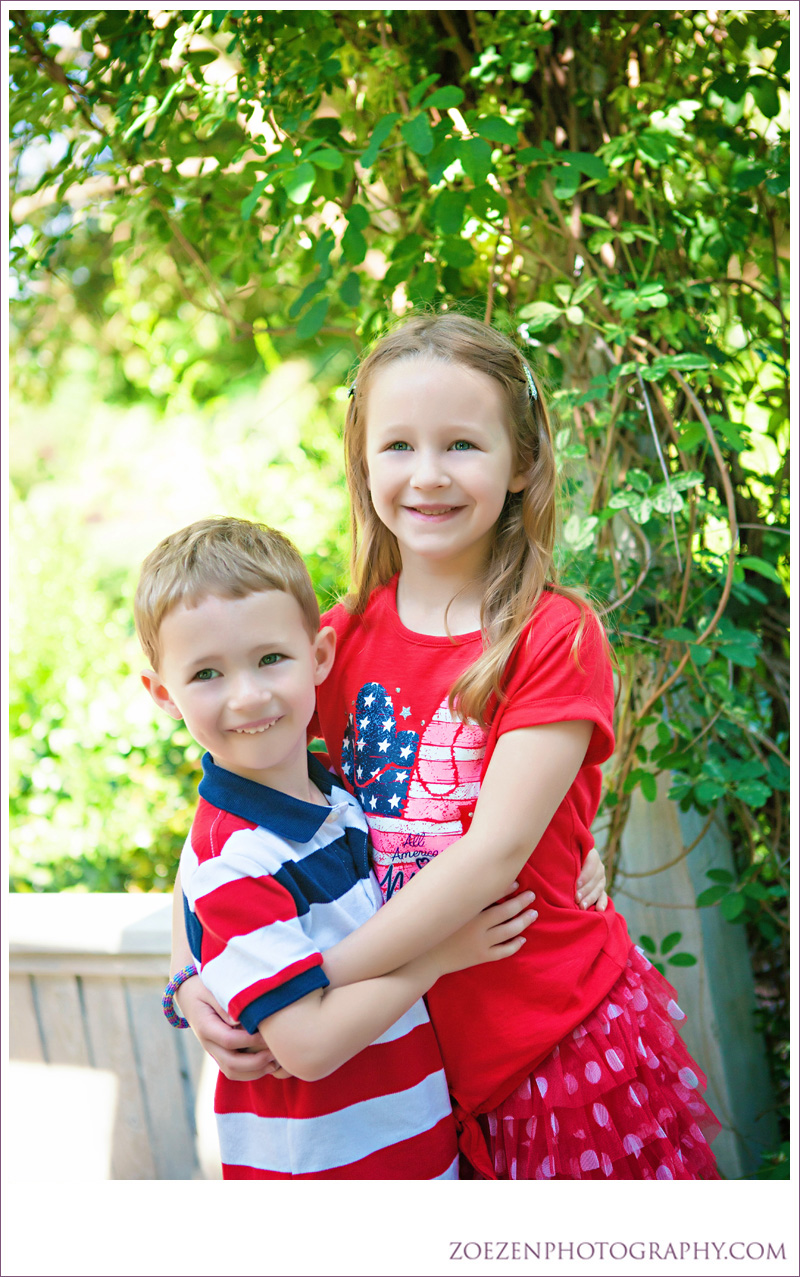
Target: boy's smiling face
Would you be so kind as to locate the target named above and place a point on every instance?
(242, 673)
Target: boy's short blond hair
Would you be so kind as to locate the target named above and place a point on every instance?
(226, 557)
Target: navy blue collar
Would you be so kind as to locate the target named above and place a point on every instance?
(286, 817)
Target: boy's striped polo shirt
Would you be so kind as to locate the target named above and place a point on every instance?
(269, 883)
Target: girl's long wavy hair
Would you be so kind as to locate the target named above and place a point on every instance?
(520, 563)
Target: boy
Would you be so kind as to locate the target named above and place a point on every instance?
(276, 869)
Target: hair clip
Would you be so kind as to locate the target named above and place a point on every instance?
(532, 391)
(351, 394)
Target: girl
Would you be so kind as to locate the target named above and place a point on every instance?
(470, 707)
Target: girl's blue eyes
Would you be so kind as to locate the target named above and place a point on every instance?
(205, 676)
(460, 445)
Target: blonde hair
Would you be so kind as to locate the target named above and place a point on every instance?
(520, 563)
(227, 557)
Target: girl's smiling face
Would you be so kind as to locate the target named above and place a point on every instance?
(440, 460)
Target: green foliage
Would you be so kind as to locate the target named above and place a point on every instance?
(103, 785)
(202, 194)
(666, 950)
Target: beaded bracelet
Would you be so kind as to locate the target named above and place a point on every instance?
(167, 1002)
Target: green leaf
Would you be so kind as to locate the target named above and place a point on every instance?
(583, 290)
(680, 634)
(639, 479)
(249, 202)
(379, 135)
(649, 786)
(323, 247)
(358, 216)
(765, 92)
(457, 252)
(327, 158)
(709, 791)
(732, 906)
(755, 891)
(568, 179)
(299, 182)
(783, 57)
(313, 320)
(418, 135)
(354, 245)
(761, 566)
(692, 435)
(682, 960)
(308, 292)
(475, 155)
(419, 90)
(540, 315)
(711, 896)
(495, 129)
(422, 285)
(652, 148)
(487, 203)
(449, 95)
(671, 940)
(350, 290)
(588, 163)
(720, 875)
(751, 175)
(648, 944)
(590, 219)
(753, 792)
(448, 211)
(579, 532)
(700, 655)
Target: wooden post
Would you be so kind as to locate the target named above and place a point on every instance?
(717, 994)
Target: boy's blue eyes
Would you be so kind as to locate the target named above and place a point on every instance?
(206, 676)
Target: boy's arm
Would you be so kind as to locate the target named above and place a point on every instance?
(527, 779)
(321, 1031)
(241, 1056)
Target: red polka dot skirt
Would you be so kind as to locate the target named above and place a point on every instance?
(618, 1098)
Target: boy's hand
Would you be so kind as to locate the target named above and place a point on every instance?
(590, 888)
(241, 1056)
(494, 934)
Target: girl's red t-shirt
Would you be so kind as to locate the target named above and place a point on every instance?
(417, 770)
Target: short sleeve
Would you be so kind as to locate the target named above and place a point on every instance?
(560, 672)
(255, 955)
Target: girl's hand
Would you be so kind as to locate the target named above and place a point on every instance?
(494, 934)
(241, 1056)
(590, 888)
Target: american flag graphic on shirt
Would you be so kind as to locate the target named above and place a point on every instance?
(418, 789)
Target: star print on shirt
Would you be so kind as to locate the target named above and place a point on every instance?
(385, 754)
(405, 712)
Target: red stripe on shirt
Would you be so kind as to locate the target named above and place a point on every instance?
(212, 827)
(379, 1070)
(239, 907)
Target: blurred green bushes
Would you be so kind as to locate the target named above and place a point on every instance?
(102, 785)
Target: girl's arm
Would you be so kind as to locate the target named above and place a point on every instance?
(527, 779)
(320, 1032)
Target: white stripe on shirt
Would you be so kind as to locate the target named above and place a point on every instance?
(309, 1145)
